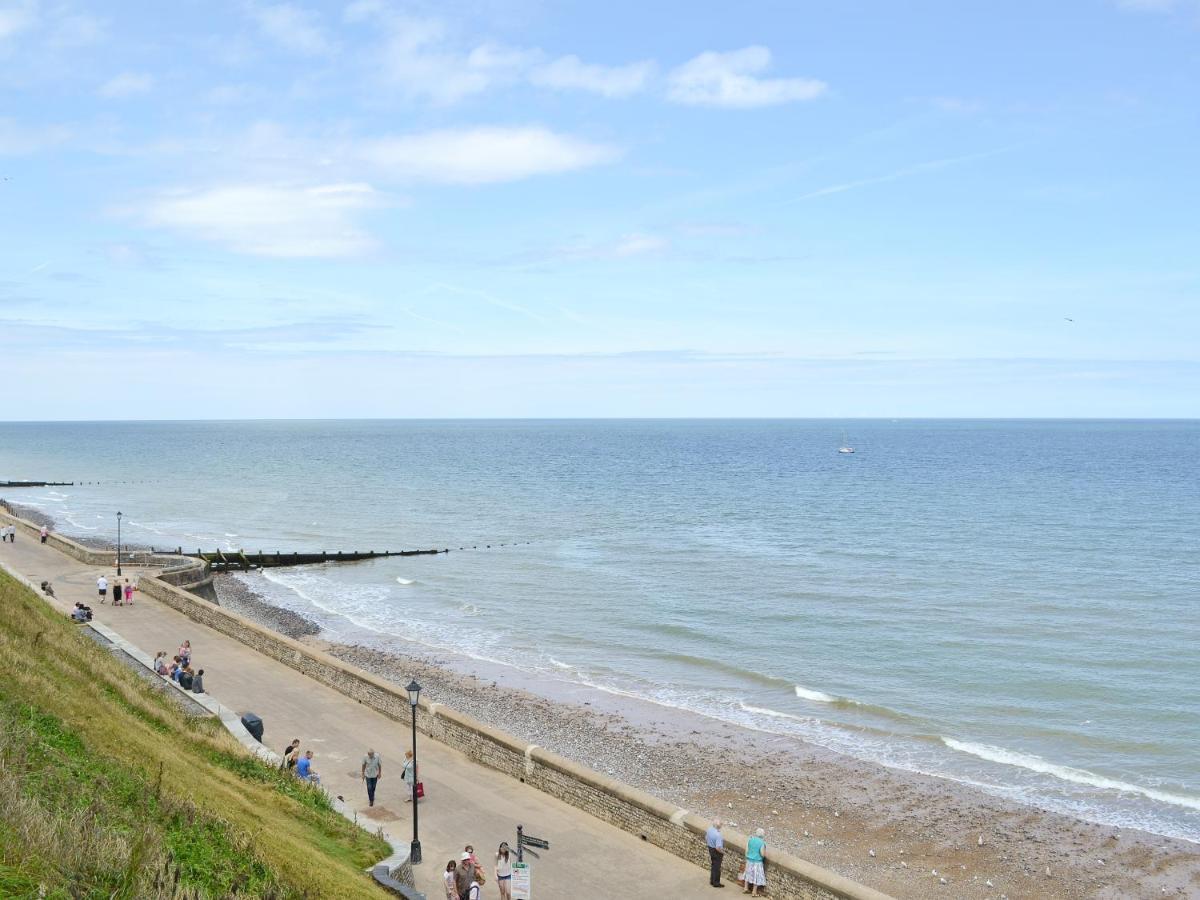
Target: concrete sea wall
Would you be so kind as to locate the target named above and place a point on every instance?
(655, 821)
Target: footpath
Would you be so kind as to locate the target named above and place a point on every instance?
(465, 803)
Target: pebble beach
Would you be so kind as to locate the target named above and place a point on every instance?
(906, 834)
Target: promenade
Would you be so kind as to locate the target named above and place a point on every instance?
(465, 802)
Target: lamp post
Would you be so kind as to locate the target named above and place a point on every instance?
(118, 543)
(414, 694)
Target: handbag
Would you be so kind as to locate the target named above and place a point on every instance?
(419, 789)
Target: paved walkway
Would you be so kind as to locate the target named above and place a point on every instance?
(465, 803)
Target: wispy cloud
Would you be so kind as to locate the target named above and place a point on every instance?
(292, 28)
(907, 172)
(260, 220)
(16, 18)
(127, 84)
(482, 155)
(731, 80)
(17, 139)
(572, 73)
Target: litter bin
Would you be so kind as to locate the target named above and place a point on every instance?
(254, 725)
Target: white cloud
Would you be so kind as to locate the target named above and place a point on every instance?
(571, 73)
(126, 85)
(270, 220)
(19, 140)
(293, 28)
(729, 80)
(416, 61)
(482, 155)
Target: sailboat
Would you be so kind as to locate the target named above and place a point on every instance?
(845, 448)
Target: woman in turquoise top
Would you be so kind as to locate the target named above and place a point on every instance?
(756, 876)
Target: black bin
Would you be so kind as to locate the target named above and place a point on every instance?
(254, 725)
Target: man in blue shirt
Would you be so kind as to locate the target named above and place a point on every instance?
(304, 769)
(716, 852)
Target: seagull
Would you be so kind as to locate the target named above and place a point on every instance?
(1068, 319)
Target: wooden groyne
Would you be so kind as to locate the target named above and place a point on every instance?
(227, 560)
(20, 484)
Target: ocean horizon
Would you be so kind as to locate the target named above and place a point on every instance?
(1008, 603)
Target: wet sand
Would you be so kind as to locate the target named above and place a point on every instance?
(884, 827)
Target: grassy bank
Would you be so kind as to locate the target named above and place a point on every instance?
(108, 790)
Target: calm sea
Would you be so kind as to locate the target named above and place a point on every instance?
(1011, 603)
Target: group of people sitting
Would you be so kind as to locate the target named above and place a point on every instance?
(80, 613)
(179, 668)
(300, 764)
(464, 879)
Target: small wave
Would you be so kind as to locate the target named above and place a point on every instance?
(469, 609)
(817, 696)
(561, 665)
(81, 525)
(404, 581)
(1066, 773)
(773, 713)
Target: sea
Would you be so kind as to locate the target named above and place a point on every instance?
(1010, 604)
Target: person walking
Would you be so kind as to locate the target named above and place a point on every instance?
(504, 872)
(716, 853)
(409, 774)
(185, 652)
(372, 771)
(756, 876)
(102, 588)
(45, 533)
(464, 875)
(128, 593)
(448, 880)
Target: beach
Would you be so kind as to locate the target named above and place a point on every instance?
(824, 807)
(901, 652)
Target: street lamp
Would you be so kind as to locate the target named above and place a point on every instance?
(118, 543)
(414, 694)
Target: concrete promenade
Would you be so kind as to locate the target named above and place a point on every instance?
(465, 803)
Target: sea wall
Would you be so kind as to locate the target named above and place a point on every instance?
(636, 812)
(90, 556)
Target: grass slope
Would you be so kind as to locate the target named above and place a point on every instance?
(108, 790)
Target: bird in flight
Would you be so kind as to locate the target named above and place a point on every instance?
(1069, 320)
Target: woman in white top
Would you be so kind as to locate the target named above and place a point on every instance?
(504, 872)
(448, 878)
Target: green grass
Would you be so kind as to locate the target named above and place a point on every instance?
(108, 790)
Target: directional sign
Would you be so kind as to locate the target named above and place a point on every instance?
(520, 884)
(535, 842)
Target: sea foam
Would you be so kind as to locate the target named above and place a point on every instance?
(1066, 773)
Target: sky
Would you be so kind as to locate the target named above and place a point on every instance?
(528, 209)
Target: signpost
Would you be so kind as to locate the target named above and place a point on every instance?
(522, 874)
(520, 881)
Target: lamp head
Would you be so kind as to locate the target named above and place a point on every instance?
(414, 692)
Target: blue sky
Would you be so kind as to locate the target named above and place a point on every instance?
(519, 208)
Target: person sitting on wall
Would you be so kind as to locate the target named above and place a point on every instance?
(304, 769)
(47, 589)
(79, 614)
(198, 683)
(185, 678)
